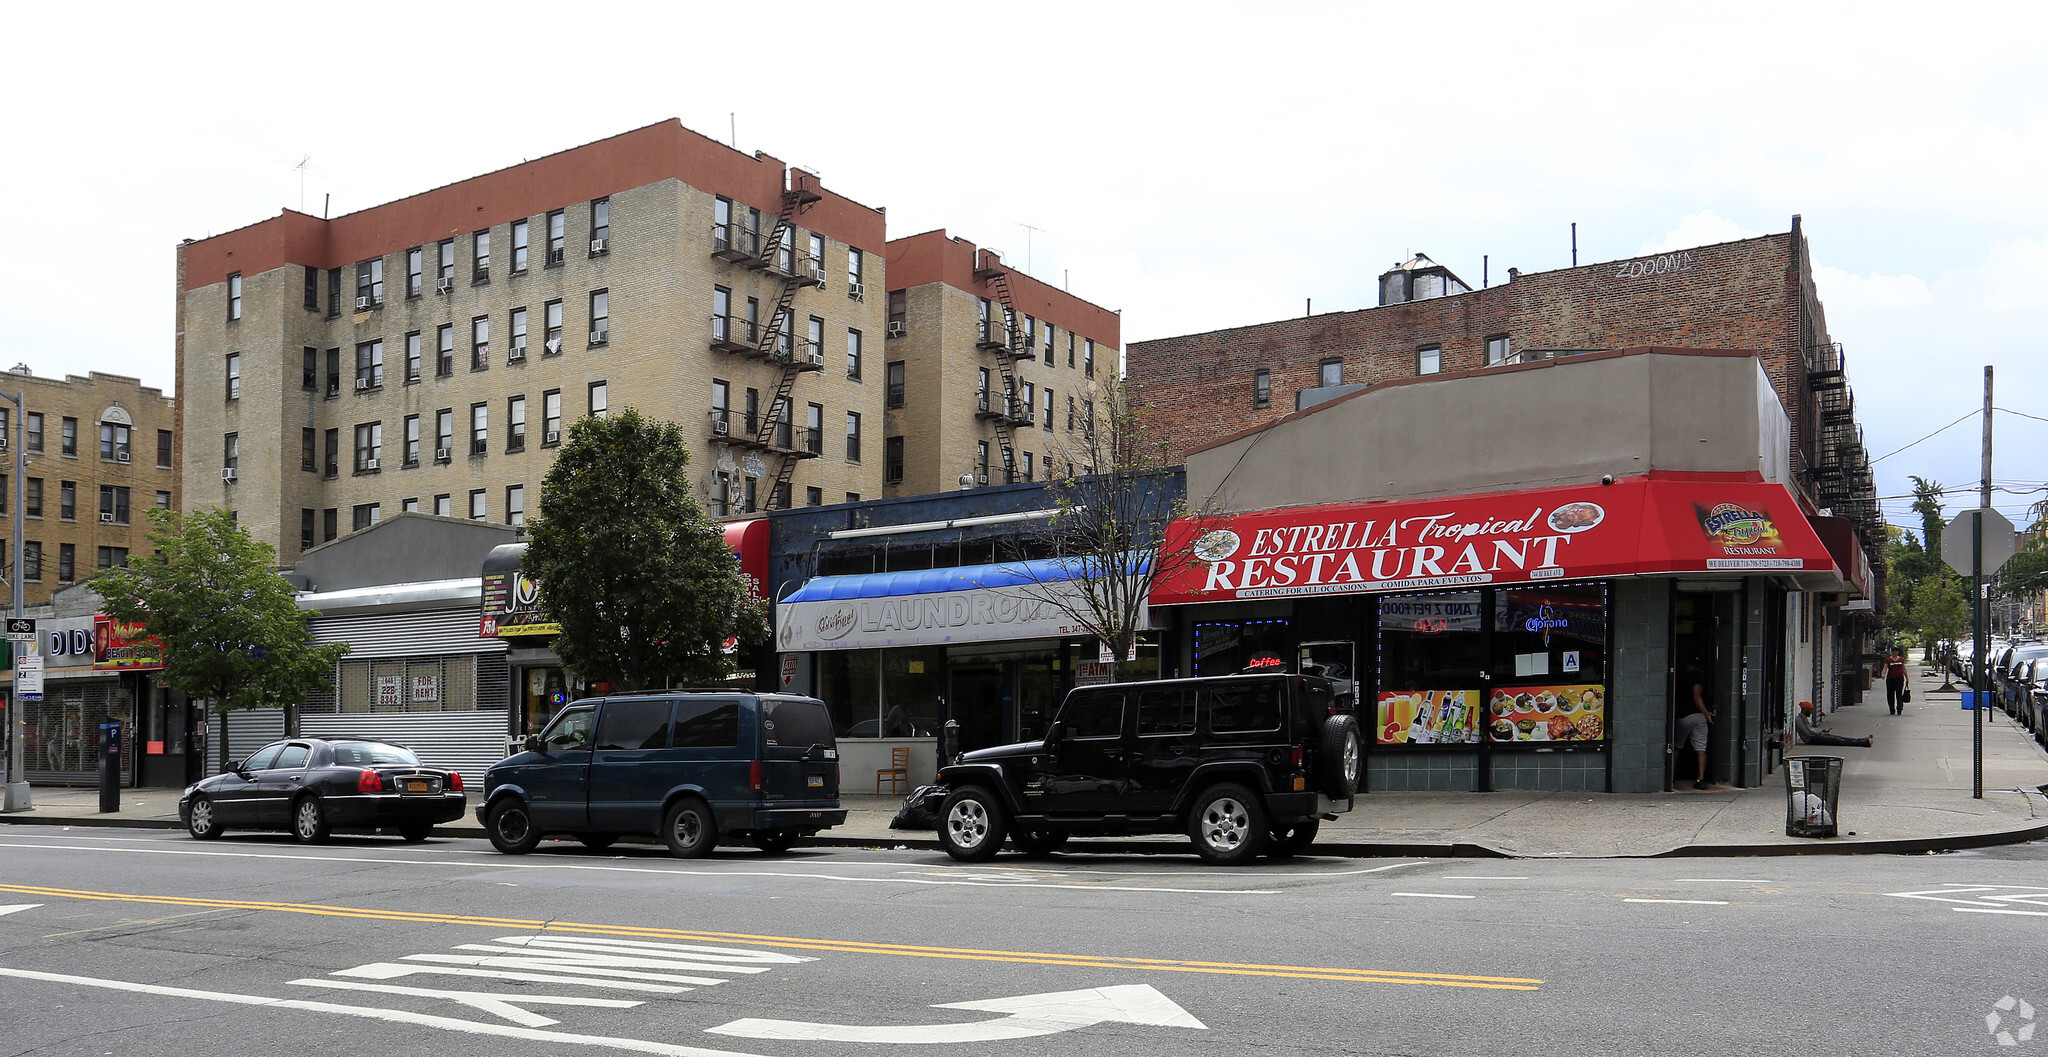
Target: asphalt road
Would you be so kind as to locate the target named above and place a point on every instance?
(137, 942)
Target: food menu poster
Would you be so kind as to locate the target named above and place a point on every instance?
(1548, 713)
(1429, 717)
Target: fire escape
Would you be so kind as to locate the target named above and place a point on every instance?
(1006, 409)
(1842, 477)
(774, 342)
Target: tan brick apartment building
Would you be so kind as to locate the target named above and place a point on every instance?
(102, 451)
(990, 371)
(429, 354)
(1754, 294)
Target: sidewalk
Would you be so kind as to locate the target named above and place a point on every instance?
(1909, 793)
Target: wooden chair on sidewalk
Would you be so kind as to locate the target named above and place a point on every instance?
(897, 774)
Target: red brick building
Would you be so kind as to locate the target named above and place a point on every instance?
(1753, 294)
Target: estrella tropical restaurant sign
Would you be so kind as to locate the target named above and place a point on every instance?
(512, 600)
(1656, 523)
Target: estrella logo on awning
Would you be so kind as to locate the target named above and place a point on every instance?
(1735, 526)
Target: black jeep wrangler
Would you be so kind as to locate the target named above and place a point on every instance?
(1243, 764)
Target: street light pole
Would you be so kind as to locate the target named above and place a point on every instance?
(16, 791)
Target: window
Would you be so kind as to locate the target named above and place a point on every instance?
(600, 225)
(113, 557)
(1330, 372)
(1047, 420)
(369, 446)
(1022, 408)
(852, 353)
(551, 417)
(515, 504)
(1030, 341)
(479, 506)
(600, 316)
(1049, 330)
(518, 335)
(515, 423)
(312, 293)
(31, 560)
(234, 297)
(1070, 413)
(853, 497)
(412, 357)
(67, 501)
(163, 449)
(1262, 388)
(333, 372)
(554, 238)
(410, 504)
(1497, 350)
(1088, 417)
(330, 524)
(814, 497)
(234, 376)
(443, 506)
(855, 272)
(597, 400)
(814, 341)
(1088, 357)
(814, 434)
(33, 423)
(114, 441)
(163, 500)
(444, 350)
(480, 343)
(444, 264)
(518, 246)
(411, 455)
(363, 516)
(721, 314)
(370, 283)
(1070, 349)
(1027, 466)
(231, 451)
(892, 460)
(309, 449)
(853, 436)
(306, 538)
(32, 498)
(895, 379)
(981, 461)
(114, 504)
(309, 369)
(1429, 359)
(444, 433)
(480, 256)
(479, 428)
(415, 261)
(67, 562)
(814, 264)
(369, 365)
(331, 442)
(333, 292)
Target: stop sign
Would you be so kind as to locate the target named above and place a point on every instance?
(1999, 541)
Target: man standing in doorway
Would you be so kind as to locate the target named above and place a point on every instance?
(1692, 726)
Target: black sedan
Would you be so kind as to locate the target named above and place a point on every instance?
(310, 787)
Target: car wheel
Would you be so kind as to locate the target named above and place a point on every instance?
(971, 825)
(1294, 840)
(597, 841)
(1337, 758)
(1038, 842)
(200, 820)
(415, 832)
(689, 829)
(309, 821)
(1228, 826)
(511, 827)
(775, 841)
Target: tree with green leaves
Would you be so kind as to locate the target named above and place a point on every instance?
(1940, 611)
(231, 631)
(1927, 503)
(637, 576)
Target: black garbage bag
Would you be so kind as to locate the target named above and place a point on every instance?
(920, 809)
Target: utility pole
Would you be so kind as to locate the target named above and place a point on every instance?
(1977, 636)
(16, 765)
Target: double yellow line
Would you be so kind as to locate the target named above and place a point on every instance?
(1299, 972)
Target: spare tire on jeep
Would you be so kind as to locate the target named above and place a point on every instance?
(1337, 757)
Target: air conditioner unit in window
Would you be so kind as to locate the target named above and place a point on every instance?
(554, 436)
(364, 302)
(720, 427)
(119, 456)
(515, 354)
(597, 246)
(857, 291)
(442, 286)
(227, 474)
(3, 442)
(817, 357)
(555, 256)
(816, 273)
(896, 328)
(371, 464)
(443, 454)
(599, 337)
(981, 478)
(362, 384)
(106, 519)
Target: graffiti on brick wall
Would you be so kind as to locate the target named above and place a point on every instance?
(1666, 264)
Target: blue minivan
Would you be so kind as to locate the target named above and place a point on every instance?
(689, 766)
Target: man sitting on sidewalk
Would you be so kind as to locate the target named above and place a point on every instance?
(1810, 736)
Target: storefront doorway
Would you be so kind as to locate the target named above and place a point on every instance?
(978, 698)
(1701, 622)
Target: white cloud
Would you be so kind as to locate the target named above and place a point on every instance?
(1844, 291)
(1699, 229)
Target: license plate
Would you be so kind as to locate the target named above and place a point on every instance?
(817, 781)
(416, 785)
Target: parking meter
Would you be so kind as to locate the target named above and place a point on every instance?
(110, 767)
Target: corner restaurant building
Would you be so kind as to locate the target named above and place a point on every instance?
(1505, 636)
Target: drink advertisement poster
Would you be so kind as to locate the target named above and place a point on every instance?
(1548, 713)
(1429, 717)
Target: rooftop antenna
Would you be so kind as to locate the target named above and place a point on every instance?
(1575, 243)
(1028, 229)
(733, 134)
(301, 166)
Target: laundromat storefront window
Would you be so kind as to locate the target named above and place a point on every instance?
(1502, 666)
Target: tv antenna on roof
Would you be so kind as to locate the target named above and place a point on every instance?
(1028, 229)
(301, 167)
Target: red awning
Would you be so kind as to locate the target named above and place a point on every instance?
(1637, 526)
(748, 541)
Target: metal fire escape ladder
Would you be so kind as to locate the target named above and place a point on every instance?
(794, 201)
(1006, 357)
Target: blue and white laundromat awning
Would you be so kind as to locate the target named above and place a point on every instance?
(1004, 602)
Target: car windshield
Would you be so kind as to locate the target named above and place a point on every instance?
(372, 754)
(795, 723)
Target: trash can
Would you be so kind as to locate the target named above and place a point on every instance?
(1813, 786)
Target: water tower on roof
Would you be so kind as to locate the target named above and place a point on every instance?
(1418, 279)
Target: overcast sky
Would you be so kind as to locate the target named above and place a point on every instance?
(1194, 165)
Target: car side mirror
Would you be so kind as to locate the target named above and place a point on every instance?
(532, 743)
(235, 767)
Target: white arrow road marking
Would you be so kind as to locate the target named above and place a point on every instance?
(1029, 1015)
(395, 1016)
(394, 970)
(17, 908)
(1986, 899)
(506, 1006)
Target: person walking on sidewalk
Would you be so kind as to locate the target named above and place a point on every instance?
(1809, 735)
(1895, 680)
(1692, 726)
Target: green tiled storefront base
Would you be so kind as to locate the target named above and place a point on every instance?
(1459, 771)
